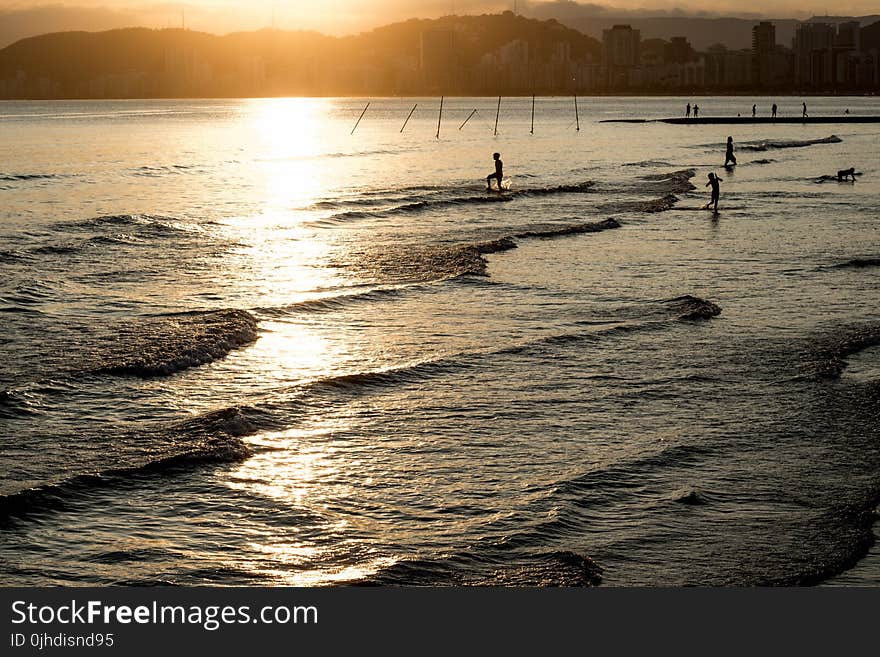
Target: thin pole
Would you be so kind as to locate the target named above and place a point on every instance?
(576, 115)
(409, 115)
(497, 112)
(532, 131)
(439, 117)
(467, 119)
(359, 118)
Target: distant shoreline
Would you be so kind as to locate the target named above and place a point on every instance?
(684, 96)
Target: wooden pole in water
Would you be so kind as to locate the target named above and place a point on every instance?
(439, 117)
(359, 118)
(497, 112)
(408, 116)
(532, 131)
(467, 119)
(577, 117)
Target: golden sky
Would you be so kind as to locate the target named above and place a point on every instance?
(348, 16)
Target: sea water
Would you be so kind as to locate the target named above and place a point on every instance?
(243, 345)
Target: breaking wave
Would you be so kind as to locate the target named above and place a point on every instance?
(162, 347)
(693, 308)
(769, 144)
(425, 205)
(210, 439)
(650, 206)
(828, 358)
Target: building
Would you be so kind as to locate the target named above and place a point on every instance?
(763, 57)
(829, 57)
(728, 69)
(678, 51)
(620, 54)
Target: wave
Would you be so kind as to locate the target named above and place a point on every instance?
(14, 177)
(769, 144)
(153, 225)
(568, 229)
(851, 545)
(658, 314)
(675, 182)
(12, 406)
(332, 303)
(492, 567)
(422, 263)
(157, 171)
(11, 257)
(210, 439)
(827, 359)
(160, 348)
(650, 206)
(859, 263)
(648, 163)
(693, 308)
(488, 198)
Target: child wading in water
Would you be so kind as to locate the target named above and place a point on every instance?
(499, 173)
(729, 157)
(716, 190)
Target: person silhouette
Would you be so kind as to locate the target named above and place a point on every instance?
(773, 111)
(805, 110)
(754, 110)
(499, 172)
(696, 110)
(729, 157)
(687, 111)
(716, 190)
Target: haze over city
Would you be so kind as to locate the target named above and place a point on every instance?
(20, 19)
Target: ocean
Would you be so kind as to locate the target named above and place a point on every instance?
(249, 342)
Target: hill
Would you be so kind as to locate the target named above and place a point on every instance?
(394, 59)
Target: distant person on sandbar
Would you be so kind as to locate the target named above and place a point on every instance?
(499, 173)
(696, 110)
(773, 111)
(754, 110)
(729, 157)
(805, 110)
(846, 111)
(716, 191)
(687, 111)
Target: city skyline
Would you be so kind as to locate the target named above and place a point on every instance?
(483, 55)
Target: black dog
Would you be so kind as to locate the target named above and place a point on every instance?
(843, 174)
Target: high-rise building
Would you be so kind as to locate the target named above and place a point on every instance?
(763, 49)
(620, 53)
(678, 51)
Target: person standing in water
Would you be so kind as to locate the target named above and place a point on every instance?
(499, 173)
(773, 111)
(687, 111)
(729, 157)
(716, 190)
(696, 110)
(805, 110)
(754, 110)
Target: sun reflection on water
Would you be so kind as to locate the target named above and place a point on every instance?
(292, 469)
